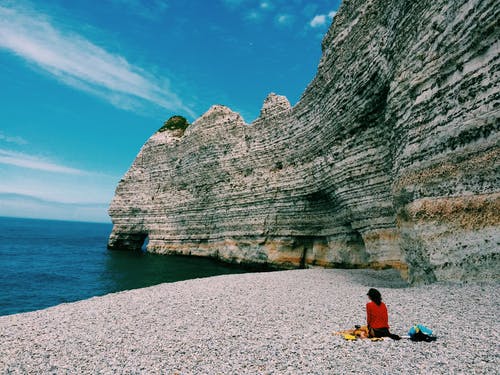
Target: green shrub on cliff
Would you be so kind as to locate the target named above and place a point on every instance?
(174, 123)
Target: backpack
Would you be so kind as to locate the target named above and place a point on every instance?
(420, 332)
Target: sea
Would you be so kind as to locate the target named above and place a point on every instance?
(44, 263)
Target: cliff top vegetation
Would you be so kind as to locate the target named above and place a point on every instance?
(174, 123)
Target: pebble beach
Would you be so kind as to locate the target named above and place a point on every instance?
(279, 322)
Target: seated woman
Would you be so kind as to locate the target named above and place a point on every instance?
(376, 316)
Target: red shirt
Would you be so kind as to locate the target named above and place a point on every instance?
(376, 315)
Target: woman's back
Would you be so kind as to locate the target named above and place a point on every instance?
(376, 315)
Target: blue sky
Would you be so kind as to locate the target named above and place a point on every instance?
(86, 83)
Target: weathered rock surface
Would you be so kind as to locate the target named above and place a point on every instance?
(390, 158)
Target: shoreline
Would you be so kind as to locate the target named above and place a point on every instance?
(270, 322)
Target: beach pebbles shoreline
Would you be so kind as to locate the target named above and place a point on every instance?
(259, 323)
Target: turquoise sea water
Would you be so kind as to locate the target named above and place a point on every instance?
(44, 263)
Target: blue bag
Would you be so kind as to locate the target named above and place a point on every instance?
(420, 332)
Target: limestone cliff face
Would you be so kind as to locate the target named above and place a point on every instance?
(390, 158)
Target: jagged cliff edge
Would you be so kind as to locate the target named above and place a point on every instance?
(390, 158)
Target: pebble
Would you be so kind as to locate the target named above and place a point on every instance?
(259, 323)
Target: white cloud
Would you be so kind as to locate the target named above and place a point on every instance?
(81, 64)
(318, 20)
(266, 5)
(23, 160)
(285, 19)
(321, 19)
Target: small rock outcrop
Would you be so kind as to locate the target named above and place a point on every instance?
(389, 159)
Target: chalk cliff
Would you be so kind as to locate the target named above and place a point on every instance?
(389, 159)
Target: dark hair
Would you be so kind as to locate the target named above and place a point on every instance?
(375, 296)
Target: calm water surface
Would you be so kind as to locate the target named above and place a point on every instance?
(44, 263)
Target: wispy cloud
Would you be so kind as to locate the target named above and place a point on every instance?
(21, 205)
(79, 63)
(16, 140)
(23, 160)
(58, 187)
(321, 19)
(260, 12)
(266, 5)
(285, 19)
(13, 196)
(32, 187)
(282, 13)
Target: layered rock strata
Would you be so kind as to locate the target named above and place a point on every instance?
(390, 158)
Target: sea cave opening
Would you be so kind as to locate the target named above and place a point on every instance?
(145, 243)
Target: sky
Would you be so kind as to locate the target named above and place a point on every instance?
(85, 83)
